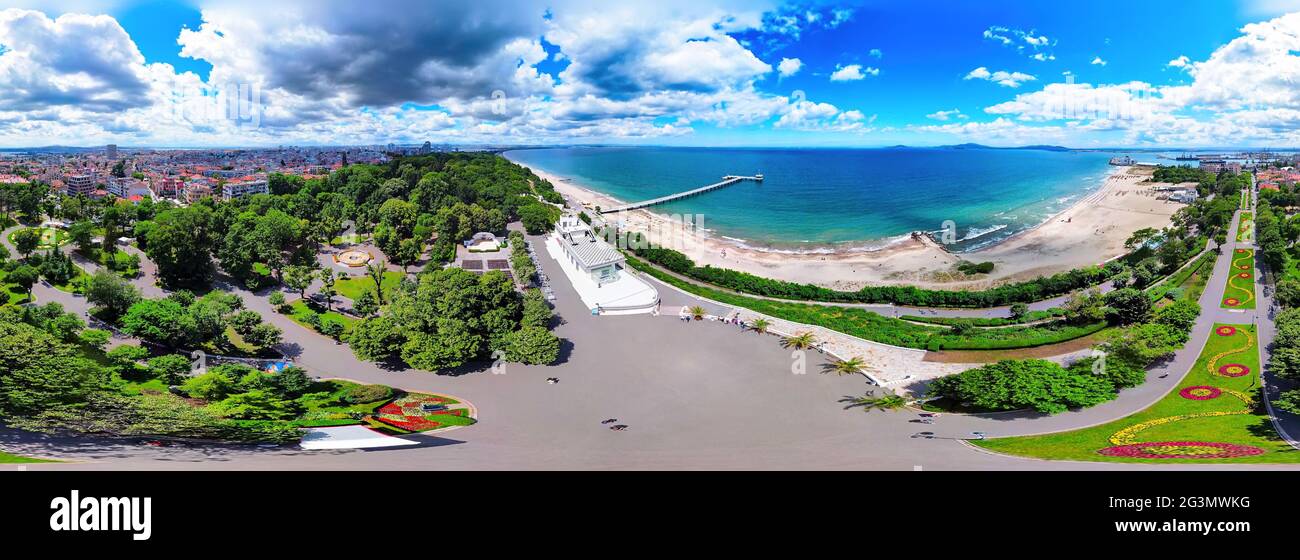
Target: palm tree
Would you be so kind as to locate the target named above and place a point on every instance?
(871, 402)
(845, 367)
(698, 312)
(801, 341)
(760, 325)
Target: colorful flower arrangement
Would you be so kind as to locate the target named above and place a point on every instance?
(1181, 450)
(406, 412)
(1125, 442)
(1200, 393)
(1128, 435)
(1233, 370)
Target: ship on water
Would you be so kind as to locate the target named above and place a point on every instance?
(1186, 156)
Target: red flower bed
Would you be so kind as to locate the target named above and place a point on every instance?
(410, 423)
(1232, 302)
(406, 413)
(1226, 331)
(1241, 251)
(1200, 393)
(1244, 275)
(1181, 450)
(1233, 370)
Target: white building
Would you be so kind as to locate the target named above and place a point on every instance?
(244, 186)
(595, 268)
(599, 260)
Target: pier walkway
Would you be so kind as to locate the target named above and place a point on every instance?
(726, 181)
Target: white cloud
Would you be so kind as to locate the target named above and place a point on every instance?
(853, 72)
(1097, 61)
(331, 71)
(789, 67)
(1000, 131)
(946, 115)
(1000, 77)
(86, 63)
(812, 116)
(1022, 41)
(876, 53)
(1180, 62)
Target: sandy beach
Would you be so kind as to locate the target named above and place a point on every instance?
(1091, 231)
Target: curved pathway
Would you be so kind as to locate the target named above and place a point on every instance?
(1160, 380)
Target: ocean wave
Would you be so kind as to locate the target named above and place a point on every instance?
(976, 233)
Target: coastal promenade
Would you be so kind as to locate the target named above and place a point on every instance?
(725, 182)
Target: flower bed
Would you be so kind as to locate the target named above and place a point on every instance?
(1181, 450)
(1200, 393)
(405, 412)
(1233, 370)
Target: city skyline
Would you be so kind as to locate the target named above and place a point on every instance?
(857, 74)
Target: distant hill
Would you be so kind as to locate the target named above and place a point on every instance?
(53, 149)
(1042, 147)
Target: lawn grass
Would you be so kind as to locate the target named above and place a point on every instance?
(352, 287)
(1225, 419)
(1195, 284)
(50, 237)
(75, 285)
(867, 325)
(299, 309)
(119, 261)
(1245, 227)
(11, 294)
(1292, 269)
(9, 458)
(1240, 291)
(325, 406)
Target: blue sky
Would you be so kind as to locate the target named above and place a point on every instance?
(728, 72)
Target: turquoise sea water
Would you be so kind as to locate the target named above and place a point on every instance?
(822, 199)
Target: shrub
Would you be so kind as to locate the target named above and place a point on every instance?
(244, 321)
(533, 345)
(1024, 384)
(95, 338)
(171, 368)
(331, 327)
(212, 386)
(363, 394)
(975, 268)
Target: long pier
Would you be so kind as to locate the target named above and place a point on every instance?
(726, 181)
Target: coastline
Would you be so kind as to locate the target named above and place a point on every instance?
(1090, 231)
